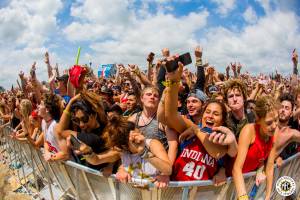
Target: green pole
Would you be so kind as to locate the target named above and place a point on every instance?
(78, 55)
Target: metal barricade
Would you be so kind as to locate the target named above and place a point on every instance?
(81, 182)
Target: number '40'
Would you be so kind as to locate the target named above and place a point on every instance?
(190, 170)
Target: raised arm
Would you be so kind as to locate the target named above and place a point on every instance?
(200, 69)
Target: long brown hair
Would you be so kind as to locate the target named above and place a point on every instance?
(116, 133)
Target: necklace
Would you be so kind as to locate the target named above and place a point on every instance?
(147, 120)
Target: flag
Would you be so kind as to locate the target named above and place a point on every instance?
(107, 70)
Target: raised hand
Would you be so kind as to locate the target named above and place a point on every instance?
(233, 66)
(150, 57)
(175, 75)
(165, 52)
(198, 52)
(46, 58)
(295, 57)
(239, 67)
(227, 69)
(21, 74)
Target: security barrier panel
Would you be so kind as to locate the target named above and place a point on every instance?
(80, 182)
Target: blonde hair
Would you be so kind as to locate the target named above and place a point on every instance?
(265, 104)
(152, 88)
(25, 107)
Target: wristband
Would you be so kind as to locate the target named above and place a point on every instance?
(67, 113)
(243, 197)
(169, 83)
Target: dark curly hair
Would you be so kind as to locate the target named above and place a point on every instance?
(287, 97)
(52, 104)
(116, 133)
(235, 83)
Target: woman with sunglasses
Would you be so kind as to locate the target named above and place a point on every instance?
(87, 127)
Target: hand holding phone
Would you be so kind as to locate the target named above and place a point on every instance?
(75, 143)
(172, 65)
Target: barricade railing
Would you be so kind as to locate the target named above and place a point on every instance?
(80, 182)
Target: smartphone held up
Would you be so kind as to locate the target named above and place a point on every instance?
(172, 65)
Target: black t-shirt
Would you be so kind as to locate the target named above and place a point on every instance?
(15, 121)
(95, 141)
(291, 148)
(236, 125)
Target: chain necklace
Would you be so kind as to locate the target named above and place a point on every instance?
(148, 120)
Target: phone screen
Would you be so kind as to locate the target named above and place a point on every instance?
(207, 130)
(75, 142)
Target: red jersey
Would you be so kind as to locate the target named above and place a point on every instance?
(194, 163)
(258, 152)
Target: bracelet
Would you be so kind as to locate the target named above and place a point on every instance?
(67, 113)
(243, 197)
(146, 153)
(169, 83)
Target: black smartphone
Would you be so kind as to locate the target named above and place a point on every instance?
(172, 65)
(75, 142)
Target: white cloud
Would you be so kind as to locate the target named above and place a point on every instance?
(98, 19)
(132, 37)
(261, 47)
(224, 6)
(25, 27)
(250, 15)
(152, 34)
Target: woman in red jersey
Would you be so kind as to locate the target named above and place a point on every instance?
(194, 162)
(198, 156)
(255, 143)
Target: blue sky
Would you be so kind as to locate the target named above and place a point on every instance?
(260, 34)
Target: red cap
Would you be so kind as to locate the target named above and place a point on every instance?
(74, 74)
(34, 114)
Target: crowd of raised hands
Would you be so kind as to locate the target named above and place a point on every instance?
(163, 123)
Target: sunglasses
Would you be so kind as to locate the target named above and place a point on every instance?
(84, 119)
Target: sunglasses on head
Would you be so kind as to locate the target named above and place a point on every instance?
(83, 119)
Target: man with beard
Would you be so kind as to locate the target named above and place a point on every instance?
(236, 95)
(286, 120)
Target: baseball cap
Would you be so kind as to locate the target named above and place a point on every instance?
(199, 95)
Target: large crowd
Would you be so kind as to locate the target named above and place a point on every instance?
(162, 124)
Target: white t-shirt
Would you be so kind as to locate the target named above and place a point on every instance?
(50, 137)
(138, 167)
